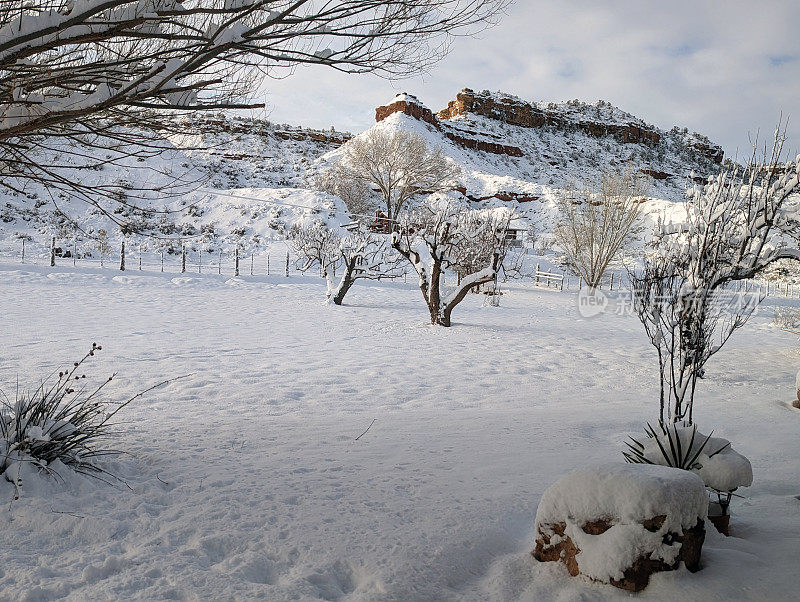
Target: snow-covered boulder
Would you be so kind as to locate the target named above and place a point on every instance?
(619, 523)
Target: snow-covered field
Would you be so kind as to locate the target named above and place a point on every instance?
(246, 481)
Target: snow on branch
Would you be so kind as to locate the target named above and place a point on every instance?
(736, 225)
(357, 253)
(438, 236)
(69, 68)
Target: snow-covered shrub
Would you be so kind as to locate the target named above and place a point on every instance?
(787, 318)
(60, 424)
(712, 458)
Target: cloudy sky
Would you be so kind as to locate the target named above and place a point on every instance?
(725, 69)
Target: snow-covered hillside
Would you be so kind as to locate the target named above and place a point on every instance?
(244, 182)
(220, 182)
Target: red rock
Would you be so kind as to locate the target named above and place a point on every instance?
(637, 576)
(657, 175)
(415, 110)
(523, 114)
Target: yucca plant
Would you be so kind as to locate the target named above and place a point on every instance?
(672, 448)
(65, 422)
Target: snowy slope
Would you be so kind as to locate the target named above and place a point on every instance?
(186, 191)
(485, 175)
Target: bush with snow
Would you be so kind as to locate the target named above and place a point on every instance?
(60, 425)
(712, 458)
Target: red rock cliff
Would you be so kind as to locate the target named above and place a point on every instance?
(520, 113)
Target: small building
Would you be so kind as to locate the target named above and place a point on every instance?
(516, 232)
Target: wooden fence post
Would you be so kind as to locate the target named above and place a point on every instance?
(53, 252)
(287, 264)
(23, 250)
(537, 274)
(219, 262)
(252, 260)
(122, 257)
(236, 258)
(183, 258)
(612, 281)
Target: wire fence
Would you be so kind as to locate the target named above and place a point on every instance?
(279, 261)
(134, 258)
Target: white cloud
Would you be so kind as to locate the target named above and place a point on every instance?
(723, 69)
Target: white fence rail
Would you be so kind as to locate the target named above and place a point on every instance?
(549, 278)
(275, 262)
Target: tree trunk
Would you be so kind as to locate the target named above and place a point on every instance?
(433, 295)
(346, 282)
(443, 318)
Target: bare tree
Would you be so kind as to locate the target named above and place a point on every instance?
(595, 225)
(687, 326)
(738, 224)
(354, 192)
(787, 319)
(436, 237)
(356, 252)
(400, 164)
(79, 78)
(316, 245)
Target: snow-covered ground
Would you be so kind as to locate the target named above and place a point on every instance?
(246, 481)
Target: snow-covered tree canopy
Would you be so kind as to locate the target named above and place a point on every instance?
(85, 69)
(438, 235)
(61, 59)
(738, 223)
(400, 164)
(354, 250)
